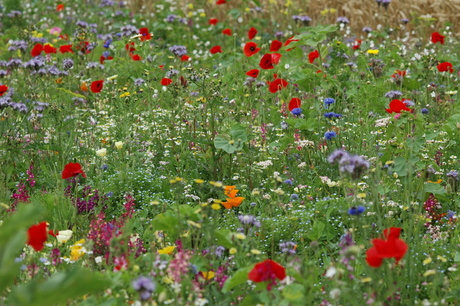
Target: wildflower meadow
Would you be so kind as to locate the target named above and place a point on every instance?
(229, 152)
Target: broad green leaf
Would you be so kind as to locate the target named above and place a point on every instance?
(238, 278)
(293, 292)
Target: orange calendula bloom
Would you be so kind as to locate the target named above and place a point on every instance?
(233, 202)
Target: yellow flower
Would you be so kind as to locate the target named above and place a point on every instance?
(255, 252)
(63, 236)
(208, 275)
(366, 280)
(119, 144)
(215, 206)
(199, 181)
(77, 250)
(167, 250)
(429, 272)
(232, 251)
(427, 261)
(240, 236)
(193, 223)
(126, 94)
(373, 51)
(102, 152)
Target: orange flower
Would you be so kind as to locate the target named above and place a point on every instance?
(230, 191)
(84, 87)
(234, 202)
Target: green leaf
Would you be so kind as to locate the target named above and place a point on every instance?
(71, 93)
(293, 293)
(167, 222)
(224, 238)
(59, 288)
(233, 141)
(240, 277)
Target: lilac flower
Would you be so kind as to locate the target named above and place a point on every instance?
(3, 73)
(453, 174)
(171, 73)
(41, 40)
(343, 20)
(288, 247)
(354, 165)
(405, 21)
(82, 24)
(367, 29)
(219, 252)
(386, 3)
(304, 19)
(14, 63)
(178, 50)
(249, 220)
(35, 63)
(139, 82)
(171, 18)
(67, 63)
(129, 30)
(145, 286)
(393, 94)
(17, 45)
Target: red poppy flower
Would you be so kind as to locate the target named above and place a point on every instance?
(436, 37)
(252, 33)
(277, 84)
(135, 57)
(250, 49)
(3, 89)
(213, 21)
(289, 41)
(83, 47)
(227, 32)
(97, 86)
(130, 47)
(253, 73)
(357, 44)
(145, 34)
(71, 170)
(60, 7)
(49, 49)
(64, 37)
(267, 270)
(166, 81)
(401, 73)
(216, 49)
(65, 49)
(185, 58)
(389, 247)
(397, 106)
(221, 1)
(294, 103)
(53, 233)
(103, 58)
(268, 60)
(36, 50)
(37, 236)
(446, 66)
(275, 45)
(312, 56)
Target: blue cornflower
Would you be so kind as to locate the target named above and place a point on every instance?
(329, 135)
(328, 101)
(107, 43)
(329, 115)
(356, 210)
(425, 111)
(297, 111)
